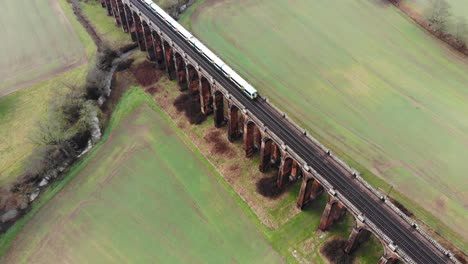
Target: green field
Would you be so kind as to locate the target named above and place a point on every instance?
(21, 110)
(38, 41)
(366, 81)
(144, 196)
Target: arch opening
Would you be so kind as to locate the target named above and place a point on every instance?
(109, 7)
(115, 12)
(180, 67)
(206, 97)
(123, 16)
(310, 190)
(334, 211)
(139, 31)
(361, 238)
(168, 54)
(130, 23)
(218, 109)
(158, 50)
(252, 139)
(193, 79)
(148, 39)
(235, 123)
(287, 172)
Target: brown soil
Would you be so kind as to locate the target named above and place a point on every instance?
(219, 145)
(84, 21)
(120, 83)
(152, 89)
(146, 74)
(190, 105)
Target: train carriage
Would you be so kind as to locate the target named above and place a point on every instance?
(242, 84)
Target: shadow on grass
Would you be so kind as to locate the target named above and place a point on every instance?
(268, 187)
(190, 105)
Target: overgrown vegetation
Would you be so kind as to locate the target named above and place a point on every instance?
(440, 18)
(71, 127)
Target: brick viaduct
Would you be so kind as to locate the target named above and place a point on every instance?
(257, 137)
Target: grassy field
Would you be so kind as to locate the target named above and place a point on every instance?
(38, 41)
(142, 196)
(367, 82)
(20, 111)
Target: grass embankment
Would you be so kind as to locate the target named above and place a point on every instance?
(367, 82)
(20, 111)
(104, 24)
(144, 194)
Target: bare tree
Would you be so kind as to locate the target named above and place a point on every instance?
(439, 14)
(461, 31)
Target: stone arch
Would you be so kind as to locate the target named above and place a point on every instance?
(266, 151)
(235, 123)
(286, 168)
(193, 79)
(169, 56)
(311, 188)
(218, 108)
(358, 236)
(362, 233)
(252, 138)
(334, 210)
(270, 154)
(206, 98)
(180, 67)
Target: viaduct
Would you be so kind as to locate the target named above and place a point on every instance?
(280, 142)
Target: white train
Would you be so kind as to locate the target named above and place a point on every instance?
(242, 84)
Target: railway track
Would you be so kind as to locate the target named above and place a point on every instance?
(404, 236)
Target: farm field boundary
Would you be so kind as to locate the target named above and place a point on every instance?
(183, 205)
(43, 45)
(20, 111)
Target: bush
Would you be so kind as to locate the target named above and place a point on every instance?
(97, 78)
